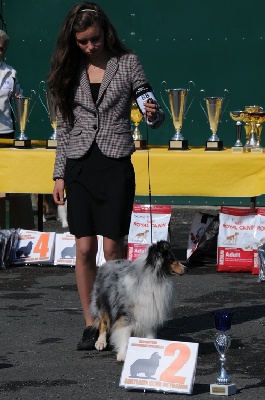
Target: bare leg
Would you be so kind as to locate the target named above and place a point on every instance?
(85, 271)
(113, 249)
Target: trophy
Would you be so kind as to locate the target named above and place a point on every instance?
(177, 102)
(253, 118)
(214, 106)
(51, 110)
(136, 118)
(22, 112)
(238, 116)
(222, 341)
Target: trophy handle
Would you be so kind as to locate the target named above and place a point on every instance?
(191, 87)
(203, 109)
(10, 99)
(226, 101)
(33, 94)
(165, 84)
(42, 87)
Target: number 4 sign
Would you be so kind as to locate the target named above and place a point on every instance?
(35, 247)
(160, 365)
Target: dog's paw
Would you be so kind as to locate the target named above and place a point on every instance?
(121, 356)
(100, 345)
(64, 224)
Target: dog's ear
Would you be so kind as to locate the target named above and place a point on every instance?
(163, 245)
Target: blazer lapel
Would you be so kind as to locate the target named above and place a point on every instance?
(111, 69)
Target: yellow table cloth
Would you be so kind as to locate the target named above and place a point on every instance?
(172, 173)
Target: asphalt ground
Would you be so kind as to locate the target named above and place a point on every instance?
(41, 322)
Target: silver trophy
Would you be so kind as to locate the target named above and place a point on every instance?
(238, 117)
(177, 102)
(222, 341)
(22, 112)
(51, 110)
(213, 115)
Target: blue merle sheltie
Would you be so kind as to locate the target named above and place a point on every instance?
(133, 298)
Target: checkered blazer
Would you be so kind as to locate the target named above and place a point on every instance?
(107, 121)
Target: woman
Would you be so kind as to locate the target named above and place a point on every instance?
(93, 77)
(8, 85)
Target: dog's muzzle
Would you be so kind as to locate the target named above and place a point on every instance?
(178, 268)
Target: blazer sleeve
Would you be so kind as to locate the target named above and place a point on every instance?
(62, 141)
(138, 78)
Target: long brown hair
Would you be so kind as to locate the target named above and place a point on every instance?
(66, 60)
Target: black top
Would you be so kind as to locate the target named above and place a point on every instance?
(94, 87)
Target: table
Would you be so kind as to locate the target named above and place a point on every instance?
(172, 173)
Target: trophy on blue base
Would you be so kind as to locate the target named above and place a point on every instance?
(222, 341)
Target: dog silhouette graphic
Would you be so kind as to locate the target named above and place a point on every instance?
(68, 252)
(25, 250)
(144, 366)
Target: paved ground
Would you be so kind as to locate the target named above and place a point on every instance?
(41, 322)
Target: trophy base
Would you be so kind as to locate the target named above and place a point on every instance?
(223, 390)
(178, 145)
(51, 144)
(238, 149)
(256, 150)
(214, 145)
(22, 144)
(140, 144)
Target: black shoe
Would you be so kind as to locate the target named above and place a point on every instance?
(90, 336)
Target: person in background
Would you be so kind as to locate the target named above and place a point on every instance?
(94, 79)
(8, 86)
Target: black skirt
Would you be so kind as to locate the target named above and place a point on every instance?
(100, 194)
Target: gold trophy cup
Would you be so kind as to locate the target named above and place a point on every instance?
(257, 118)
(22, 112)
(253, 118)
(213, 114)
(177, 102)
(136, 118)
(51, 110)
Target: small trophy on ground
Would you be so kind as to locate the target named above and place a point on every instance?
(136, 118)
(238, 116)
(213, 114)
(22, 112)
(177, 102)
(51, 110)
(222, 341)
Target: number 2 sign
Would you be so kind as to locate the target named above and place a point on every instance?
(154, 364)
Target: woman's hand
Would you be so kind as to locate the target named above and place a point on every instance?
(151, 109)
(58, 192)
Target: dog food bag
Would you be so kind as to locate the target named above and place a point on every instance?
(259, 238)
(235, 239)
(35, 247)
(147, 227)
(199, 224)
(65, 249)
